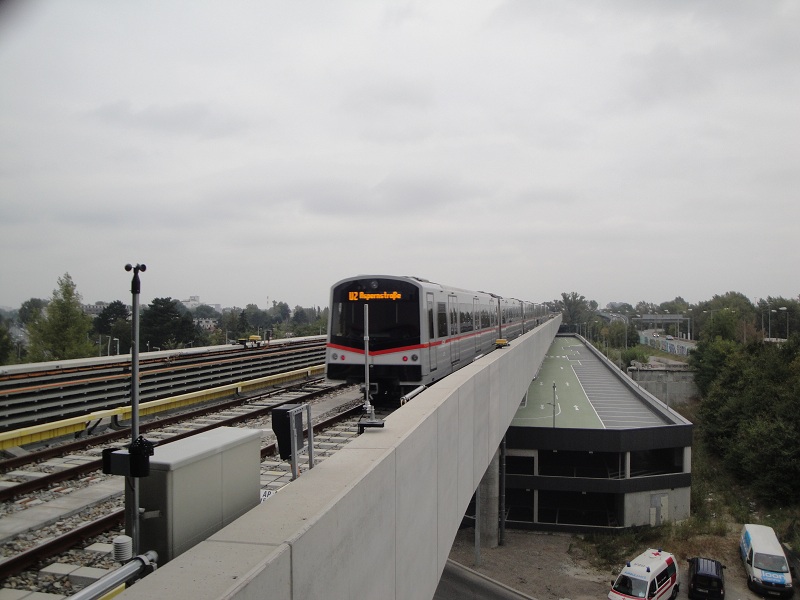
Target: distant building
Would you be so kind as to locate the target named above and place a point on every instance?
(206, 324)
(194, 301)
(94, 309)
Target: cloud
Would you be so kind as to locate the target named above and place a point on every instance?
(189, 119)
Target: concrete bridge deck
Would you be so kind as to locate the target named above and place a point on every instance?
(377, 519)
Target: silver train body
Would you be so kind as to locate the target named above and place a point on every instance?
(419, 331)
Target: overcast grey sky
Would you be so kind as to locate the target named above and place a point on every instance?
(256, 151)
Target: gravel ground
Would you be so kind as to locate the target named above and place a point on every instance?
(556, 566)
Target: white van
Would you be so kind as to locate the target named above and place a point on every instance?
(652, 574)
(764, 561)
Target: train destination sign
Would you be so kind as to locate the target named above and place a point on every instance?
(356, 296)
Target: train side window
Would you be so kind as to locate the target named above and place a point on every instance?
(466, 317)
(453, 306)
(441, 311)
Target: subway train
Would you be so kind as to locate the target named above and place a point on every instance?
(418, 331)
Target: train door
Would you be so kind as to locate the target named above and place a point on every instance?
(452, 311)
(476, 324)
(432, 350)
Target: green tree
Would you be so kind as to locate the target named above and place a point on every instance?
(750, 418)
(6, 344)
(62, 330)
(707, 359)
(163, 325)
(256, 319)
(30, 309)
(300, 316)
(575, 308)
(229, 323)
(115, 311)
(280, 312)
(204, 311)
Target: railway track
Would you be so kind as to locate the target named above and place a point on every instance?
(35, 394)
(247, 408)
(18, 562)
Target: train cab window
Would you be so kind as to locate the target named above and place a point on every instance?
(391, 322)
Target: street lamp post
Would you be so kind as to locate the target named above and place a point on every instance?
(769, 321)
(787, 321)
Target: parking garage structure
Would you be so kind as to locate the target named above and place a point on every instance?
(589, 449)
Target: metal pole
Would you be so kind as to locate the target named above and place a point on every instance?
(368, 408)
(502, 534)
(132, 506)
(366, 355)
(100, 588)
(554, 405)
(310, 438)
(478, 526)
(295, 443)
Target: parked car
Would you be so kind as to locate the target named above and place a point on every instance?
(653, 574)
(706, 578)
(764, 561)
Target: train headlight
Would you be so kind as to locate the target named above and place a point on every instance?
(335, 356)
(414, 357)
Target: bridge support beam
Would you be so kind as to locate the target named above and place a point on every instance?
(489, 521)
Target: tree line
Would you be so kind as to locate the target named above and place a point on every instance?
(58, 328)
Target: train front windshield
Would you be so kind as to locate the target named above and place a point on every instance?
(394, 314)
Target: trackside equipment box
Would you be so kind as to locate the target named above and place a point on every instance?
(197, 486)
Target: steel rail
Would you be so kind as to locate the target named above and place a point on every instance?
(163, 376)
(25, 560)
(45, 481)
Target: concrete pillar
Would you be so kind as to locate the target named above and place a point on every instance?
(490, 503)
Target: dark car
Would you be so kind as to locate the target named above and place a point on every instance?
(706, 578)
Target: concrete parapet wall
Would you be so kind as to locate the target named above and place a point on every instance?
(378, 518)
(671, 386)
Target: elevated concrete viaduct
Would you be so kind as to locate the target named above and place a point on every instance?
(376, 520)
